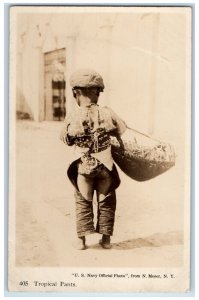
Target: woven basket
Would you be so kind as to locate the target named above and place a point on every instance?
(142, 162)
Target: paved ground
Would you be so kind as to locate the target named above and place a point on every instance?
(149, 218)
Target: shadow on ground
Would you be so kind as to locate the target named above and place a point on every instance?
(155, 240)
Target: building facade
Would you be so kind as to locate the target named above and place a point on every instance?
(141, 56)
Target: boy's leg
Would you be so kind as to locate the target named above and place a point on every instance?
(106, 204)
(106, 214)
(84, 206)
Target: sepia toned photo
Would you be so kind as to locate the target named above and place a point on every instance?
(99, 149)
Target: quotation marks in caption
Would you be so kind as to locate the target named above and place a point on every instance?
(126, 275)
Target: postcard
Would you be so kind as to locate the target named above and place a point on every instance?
(99, 149)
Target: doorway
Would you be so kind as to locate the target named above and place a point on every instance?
(54, 85)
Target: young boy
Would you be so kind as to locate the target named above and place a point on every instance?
(89, 128)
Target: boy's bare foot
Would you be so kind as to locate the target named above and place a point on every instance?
(105, 242)
(80, 243)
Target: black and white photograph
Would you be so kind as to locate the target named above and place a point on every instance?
(99, 149)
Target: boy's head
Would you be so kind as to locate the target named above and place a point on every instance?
(87, 83)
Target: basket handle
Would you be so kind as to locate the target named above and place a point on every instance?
(148, 136)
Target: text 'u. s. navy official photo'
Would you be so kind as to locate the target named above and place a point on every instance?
(100, 149)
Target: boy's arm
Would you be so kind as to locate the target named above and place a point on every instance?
(118, 122)
(120, 128)
(64, 136)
